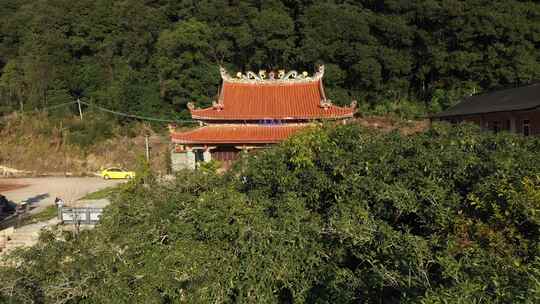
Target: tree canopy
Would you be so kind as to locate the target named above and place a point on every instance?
(335, 215)
(152, 57)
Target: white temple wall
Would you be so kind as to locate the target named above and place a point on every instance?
(182, 160)
(207, 156)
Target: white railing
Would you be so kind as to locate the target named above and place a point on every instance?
(81, 216)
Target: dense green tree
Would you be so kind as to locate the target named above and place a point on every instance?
(377, 51)
(186, 75)
(338, 215)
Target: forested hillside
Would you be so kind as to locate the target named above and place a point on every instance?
(339, 215)
(152, 57)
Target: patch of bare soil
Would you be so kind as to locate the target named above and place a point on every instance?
(9, 186)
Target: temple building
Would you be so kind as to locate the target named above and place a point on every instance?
(254, 111)
(515, 110)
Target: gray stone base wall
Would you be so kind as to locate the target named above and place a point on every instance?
(182, 160)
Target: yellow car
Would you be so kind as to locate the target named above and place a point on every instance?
(116, 173)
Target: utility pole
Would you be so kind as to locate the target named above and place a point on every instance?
(79, 104)
(64, 146)
(147, 148)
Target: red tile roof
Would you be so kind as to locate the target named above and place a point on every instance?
(237, 133)
(268, 100)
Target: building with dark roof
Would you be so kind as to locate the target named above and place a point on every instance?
(516, 110)
(253, 111)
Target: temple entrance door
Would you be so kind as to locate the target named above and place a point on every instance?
(225, 154)
(199, 156)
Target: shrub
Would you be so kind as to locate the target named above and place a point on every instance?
(403, 109)
(88, 132)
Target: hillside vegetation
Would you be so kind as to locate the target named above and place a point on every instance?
(152, 57)
(335, 215)
(42, 144)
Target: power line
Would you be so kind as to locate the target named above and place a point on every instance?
(115, 112)
(136, 116)
(59, 105)
(44, 109)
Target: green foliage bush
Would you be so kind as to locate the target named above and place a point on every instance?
(334, 215)
(90, 131)
(404, 109)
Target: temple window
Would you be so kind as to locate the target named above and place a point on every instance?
(496, 127)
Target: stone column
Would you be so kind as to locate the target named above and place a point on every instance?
(190, 159)
(207, 156)
(513, 128)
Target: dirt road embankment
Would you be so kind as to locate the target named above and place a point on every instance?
(4, 186)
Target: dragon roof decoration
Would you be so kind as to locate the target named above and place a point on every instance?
(272, 77)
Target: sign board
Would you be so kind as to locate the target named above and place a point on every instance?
(84, 216)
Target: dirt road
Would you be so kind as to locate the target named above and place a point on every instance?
(7, 187)
(41, 192)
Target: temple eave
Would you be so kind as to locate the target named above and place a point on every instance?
(236, 134)
(231, 142)
(208, 114)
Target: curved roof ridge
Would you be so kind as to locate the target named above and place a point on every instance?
(271, 77)
(288, 97)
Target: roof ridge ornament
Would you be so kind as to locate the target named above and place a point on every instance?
(325, 103)
(272, 77)
(217, 105)
(320, 72)
(251, 75)
(293, 74)
(224, 74)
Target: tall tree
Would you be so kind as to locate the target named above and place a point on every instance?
(185, 70)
